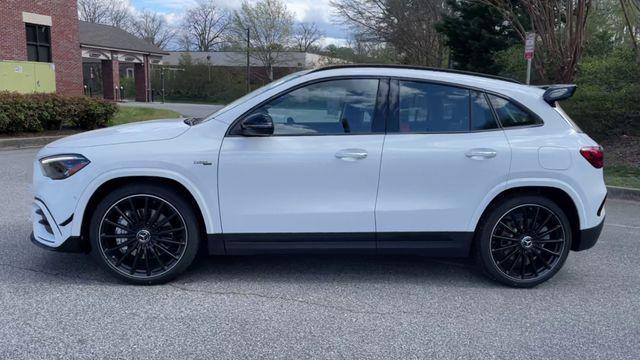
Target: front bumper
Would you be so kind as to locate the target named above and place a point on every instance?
(73, 244)
(587, 238)
(51, 234)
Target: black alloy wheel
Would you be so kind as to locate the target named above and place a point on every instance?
(525, 242)
(145, 237)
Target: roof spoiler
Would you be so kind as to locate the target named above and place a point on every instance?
(555, 93)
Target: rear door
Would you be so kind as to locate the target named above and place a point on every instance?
(313, 183)
(444, 152)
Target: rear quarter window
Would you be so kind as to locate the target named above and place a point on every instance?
(512, 115)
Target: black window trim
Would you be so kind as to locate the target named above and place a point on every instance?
(394, 120)
(381, 112)
(37, 43)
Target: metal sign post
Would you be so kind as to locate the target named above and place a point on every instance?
(529, 47)
(248, 62)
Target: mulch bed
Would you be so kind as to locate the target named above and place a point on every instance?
(622, 150)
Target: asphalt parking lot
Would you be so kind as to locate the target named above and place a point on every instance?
(64, 306)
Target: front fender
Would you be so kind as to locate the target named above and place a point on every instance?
(207, 206)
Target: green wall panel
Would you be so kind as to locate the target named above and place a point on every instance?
(27, 76)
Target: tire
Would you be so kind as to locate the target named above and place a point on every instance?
(151, 245)
(523, 241)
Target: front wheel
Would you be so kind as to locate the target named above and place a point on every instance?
(144, 234)
(523, 241)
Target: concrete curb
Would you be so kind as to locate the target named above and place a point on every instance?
(28, 142)
(616, 192)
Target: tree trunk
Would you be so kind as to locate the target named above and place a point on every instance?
(632, 34)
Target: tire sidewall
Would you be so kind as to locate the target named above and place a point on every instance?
(484, 235)
(184, 208)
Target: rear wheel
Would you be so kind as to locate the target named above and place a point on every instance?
(523, 241)
(144, 234)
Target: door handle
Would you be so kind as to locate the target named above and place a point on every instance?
(351, 154)
(481, 154)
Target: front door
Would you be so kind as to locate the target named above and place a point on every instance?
(313, 183)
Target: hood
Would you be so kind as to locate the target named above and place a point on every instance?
(153, 130)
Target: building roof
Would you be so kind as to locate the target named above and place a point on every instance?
(111, 37)
(288, 59)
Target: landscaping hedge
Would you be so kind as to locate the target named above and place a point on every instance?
(38, 112)
(607, 102)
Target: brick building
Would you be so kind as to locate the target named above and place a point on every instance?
(43, 47)
(43, 31)
(106, 50)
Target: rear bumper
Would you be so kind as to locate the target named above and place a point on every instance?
(587, 238)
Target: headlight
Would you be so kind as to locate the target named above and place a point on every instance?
(62, 166)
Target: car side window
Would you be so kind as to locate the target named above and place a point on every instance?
(333, 107)
(510, 114)
(482, 117)
(430, 108)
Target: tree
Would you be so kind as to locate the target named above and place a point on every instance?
(153, 28)
(270, 24)
(205, 25)
(605, 28)
(108, 12)
(631, 12)
(306, 36)
(183, 41)
(560, 26)
(407, 25)
(475, 32)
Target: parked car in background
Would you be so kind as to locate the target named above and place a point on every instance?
(367, 159)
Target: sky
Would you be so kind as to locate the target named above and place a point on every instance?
(318, 11)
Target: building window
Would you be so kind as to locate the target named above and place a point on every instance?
(129, 72)
(38, 43)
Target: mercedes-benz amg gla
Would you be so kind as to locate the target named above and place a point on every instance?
(371, 159)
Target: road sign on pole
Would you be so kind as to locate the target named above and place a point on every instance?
(529, 47)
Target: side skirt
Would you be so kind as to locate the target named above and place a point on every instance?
(445, 244)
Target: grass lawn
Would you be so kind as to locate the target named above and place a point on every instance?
(127, 114)
(622, 175)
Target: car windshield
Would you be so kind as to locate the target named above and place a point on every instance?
(257, 92)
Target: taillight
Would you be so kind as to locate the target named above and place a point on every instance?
(594, 155)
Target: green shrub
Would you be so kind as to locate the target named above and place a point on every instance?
(202, 83)
(38, 112)
(607, 102)
(128, 85)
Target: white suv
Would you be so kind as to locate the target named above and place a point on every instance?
(376, 159)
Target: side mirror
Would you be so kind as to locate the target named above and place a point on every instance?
(259, 124)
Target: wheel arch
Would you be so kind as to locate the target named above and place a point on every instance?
(555, 194)
(100, 188)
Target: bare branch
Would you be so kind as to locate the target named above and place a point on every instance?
(153, 28)
(108, 12)
(561, 28)
(306, 36)
(205, 26)
(408, 26)
(270, 24)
